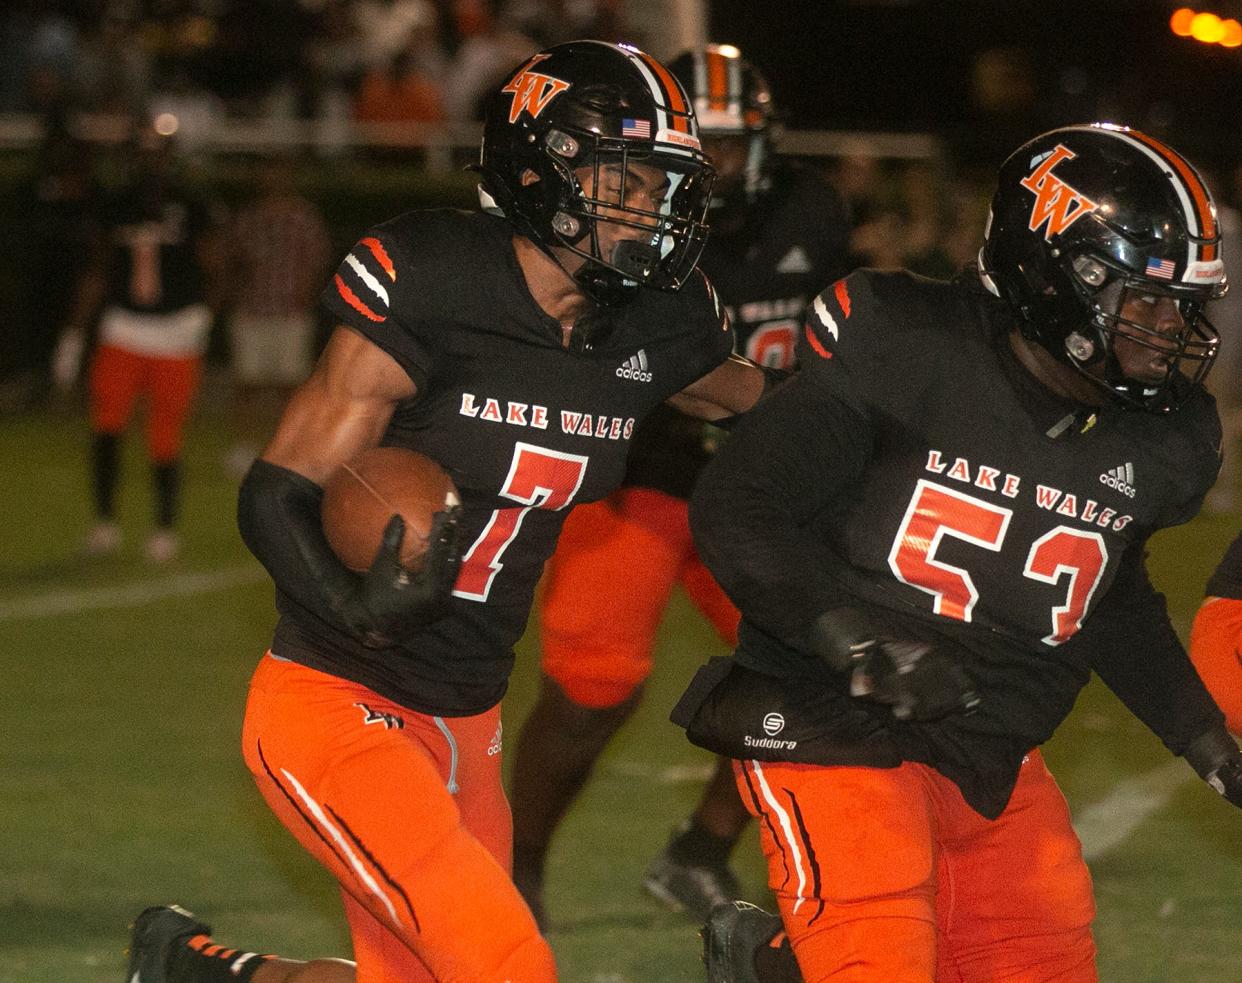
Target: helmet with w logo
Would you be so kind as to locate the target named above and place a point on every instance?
(1081, 215)
(565, 117)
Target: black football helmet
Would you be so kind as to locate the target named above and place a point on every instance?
(731, 99)
(1080, 215)
(589, 104)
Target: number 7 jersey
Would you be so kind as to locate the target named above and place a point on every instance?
(525, 428)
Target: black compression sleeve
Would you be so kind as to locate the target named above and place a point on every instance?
(1131, 645)
(278, 516)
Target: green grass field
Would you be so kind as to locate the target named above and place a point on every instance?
(122, 785)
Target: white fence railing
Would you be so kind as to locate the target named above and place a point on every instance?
(441, 146)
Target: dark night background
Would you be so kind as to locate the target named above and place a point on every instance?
(910, 65)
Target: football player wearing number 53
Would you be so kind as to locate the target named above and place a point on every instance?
(935, 533)
(494, 343)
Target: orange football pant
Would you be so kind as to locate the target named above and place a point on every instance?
(118, 377)
(888, 876)
(1216, 650)
(606, 588)
(408, 813)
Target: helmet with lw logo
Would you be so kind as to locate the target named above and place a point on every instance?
(575, 109)
(1083, 213)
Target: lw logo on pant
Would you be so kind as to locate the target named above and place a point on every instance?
(390, 720)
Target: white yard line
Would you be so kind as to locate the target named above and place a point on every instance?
(1109, 822)
(129, 595)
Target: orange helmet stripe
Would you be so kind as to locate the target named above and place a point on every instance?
(1198, 193)
(678, 109)
(717, 81)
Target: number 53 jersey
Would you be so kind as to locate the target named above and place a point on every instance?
(917, 470)
(525, 428)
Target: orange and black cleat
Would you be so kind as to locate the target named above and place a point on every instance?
(151, 940)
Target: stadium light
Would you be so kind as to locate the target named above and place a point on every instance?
(1206, 27)
(1179, 23)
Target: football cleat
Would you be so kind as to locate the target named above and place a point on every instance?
(152, 937)
(734, 932)
(693, 888)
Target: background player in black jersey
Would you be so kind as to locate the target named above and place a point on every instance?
(935, 532)
(1216, 636)
(778, 234)
(491, 342)
(149, 283)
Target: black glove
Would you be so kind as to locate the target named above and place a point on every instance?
(1217, 760)
(913, 678)
(389, 600)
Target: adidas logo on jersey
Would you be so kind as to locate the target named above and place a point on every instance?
(1120, 478)
(794, 261)
(635, 367)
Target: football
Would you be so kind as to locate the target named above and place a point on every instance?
(363, 494)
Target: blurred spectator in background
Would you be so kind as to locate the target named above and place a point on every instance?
(113, 72)
(278, 253)
(335, 59)
(903, 214)
(492, 42)
(56, 207)
(38, 49)
(196, 109)
(149, 273)
(400, 90)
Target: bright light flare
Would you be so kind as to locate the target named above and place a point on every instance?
(1207, 28)
(1179, 23)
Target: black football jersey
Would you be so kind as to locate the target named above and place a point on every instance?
(1227, 580)
(524, 427)
(784, 251)
(152, 242)
(916, 470)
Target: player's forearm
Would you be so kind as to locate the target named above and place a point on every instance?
(278, 517)
(730, 389)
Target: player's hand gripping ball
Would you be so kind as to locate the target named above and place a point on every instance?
(363, 495)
